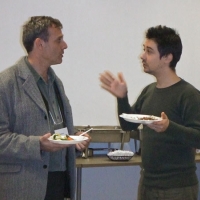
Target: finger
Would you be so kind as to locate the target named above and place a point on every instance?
(121, 77)
(106, 87)
(78, 133)
(104, 79)
(109, 76)
(80, 147)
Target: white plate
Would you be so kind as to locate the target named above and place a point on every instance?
(76, 139)
(137, 118)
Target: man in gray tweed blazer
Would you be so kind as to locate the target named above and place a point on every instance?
(33, 105)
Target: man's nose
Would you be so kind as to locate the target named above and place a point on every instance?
(65, 46)
(142, 55)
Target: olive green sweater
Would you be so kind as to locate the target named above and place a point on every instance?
(168, 158)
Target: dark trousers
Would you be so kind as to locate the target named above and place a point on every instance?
(151, 193)
(55, 186)
(185, 193)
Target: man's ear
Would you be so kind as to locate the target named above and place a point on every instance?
(168, 58)
(38, 43)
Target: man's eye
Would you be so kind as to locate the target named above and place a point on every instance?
(60, 40)
(149, 51)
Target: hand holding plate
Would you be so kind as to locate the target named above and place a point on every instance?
(160, 126)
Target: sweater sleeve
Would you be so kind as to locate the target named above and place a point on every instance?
(188, 133)
(124, 107)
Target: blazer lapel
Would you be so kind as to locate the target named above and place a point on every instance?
(31, 88)
(29, 85)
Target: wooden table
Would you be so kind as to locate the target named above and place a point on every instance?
(103, 161)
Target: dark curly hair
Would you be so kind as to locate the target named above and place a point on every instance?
(37, 27)
(168, 41)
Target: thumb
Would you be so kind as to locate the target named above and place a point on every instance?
(163, 115)
(46, 136)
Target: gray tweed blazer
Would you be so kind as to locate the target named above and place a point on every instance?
(23, 119)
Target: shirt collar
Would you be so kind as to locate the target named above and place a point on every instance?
(37, 77)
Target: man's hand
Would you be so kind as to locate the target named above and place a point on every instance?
(83, 145)
(115, 85)
(46, 145)
(160, 126)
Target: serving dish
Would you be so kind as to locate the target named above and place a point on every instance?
(120, 155)
(120, 158)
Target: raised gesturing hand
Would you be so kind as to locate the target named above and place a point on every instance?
(115, 85)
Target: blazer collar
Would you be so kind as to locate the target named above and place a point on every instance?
(29, 84)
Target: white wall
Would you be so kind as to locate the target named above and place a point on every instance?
(103, 34)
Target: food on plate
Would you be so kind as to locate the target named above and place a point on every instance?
(58, 136)
(147, 118)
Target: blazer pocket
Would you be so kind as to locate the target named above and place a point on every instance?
(10, 168)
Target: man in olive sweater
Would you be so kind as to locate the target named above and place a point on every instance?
(168, 146)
